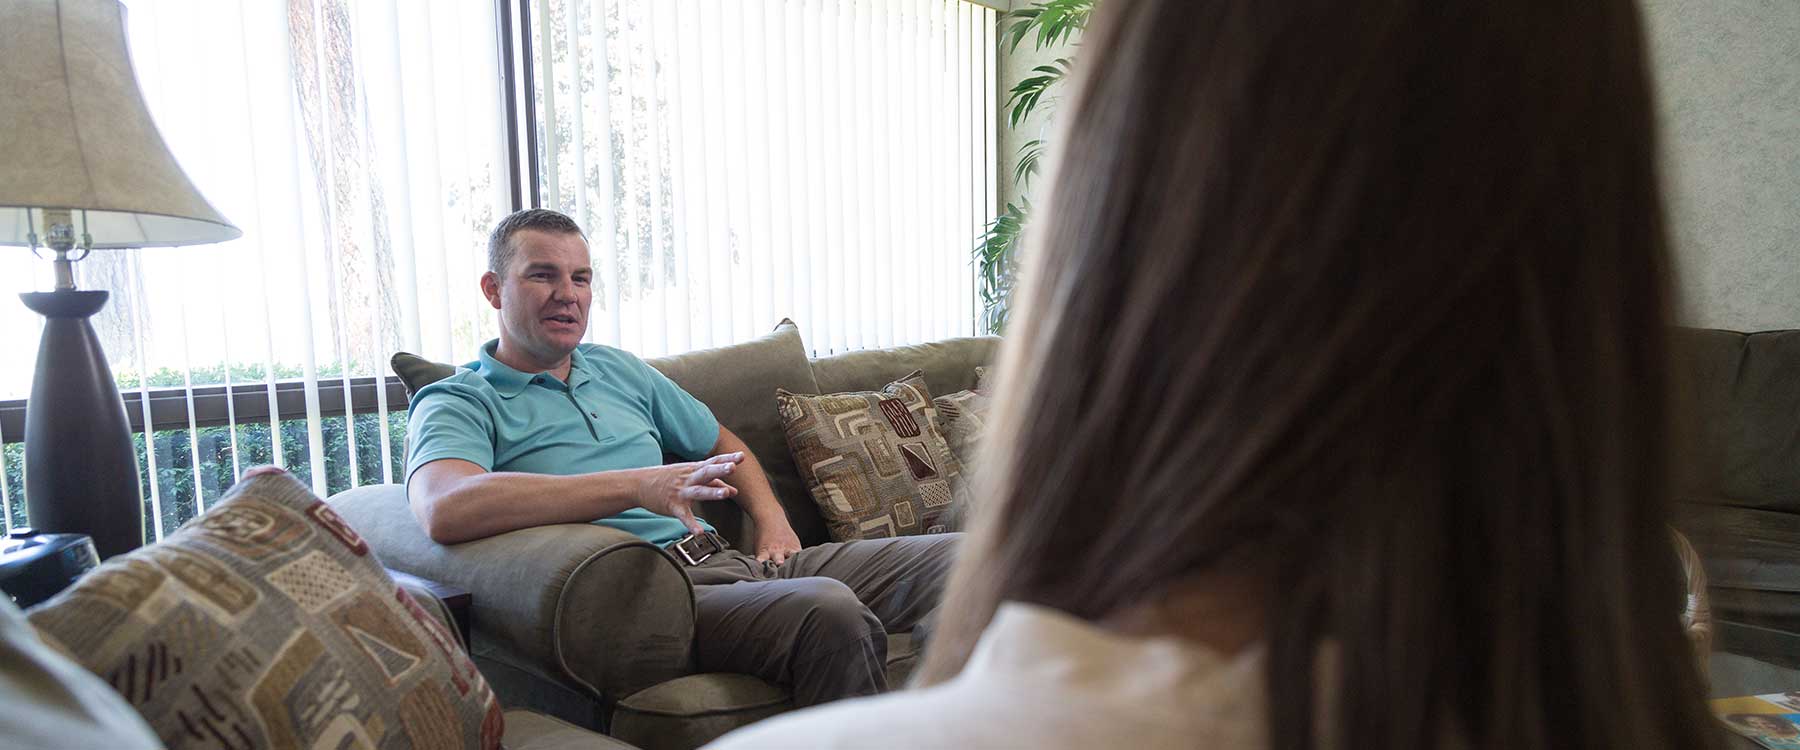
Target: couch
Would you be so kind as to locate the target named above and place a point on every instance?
(1738, 491)
(595, 626)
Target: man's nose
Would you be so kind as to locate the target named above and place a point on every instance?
(564, 291)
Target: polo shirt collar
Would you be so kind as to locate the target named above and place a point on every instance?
(581, 370)
(509, 382)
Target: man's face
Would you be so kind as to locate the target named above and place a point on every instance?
(543, 294)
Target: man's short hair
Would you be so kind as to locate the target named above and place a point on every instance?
(500, 247)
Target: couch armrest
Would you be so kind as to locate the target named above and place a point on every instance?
(592, 608)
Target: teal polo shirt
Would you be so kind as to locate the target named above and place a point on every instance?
(614, 413)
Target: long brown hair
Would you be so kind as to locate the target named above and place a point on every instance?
(1373, 294)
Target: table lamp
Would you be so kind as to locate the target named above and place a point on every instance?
(82, 168)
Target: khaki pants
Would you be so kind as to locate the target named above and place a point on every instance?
(818, 623)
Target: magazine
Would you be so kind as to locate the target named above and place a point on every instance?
(1772, 720)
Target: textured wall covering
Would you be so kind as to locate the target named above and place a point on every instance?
(1728, 74)
(1728, 79)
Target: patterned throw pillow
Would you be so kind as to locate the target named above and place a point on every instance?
(875, 462)
(266, 623)
(964, 416)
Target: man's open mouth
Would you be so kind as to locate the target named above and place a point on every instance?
(570, 319)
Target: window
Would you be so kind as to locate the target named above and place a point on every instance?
(735, 162)
(742, 161)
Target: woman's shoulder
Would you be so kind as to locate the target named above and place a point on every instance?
(913, 718)
(1042, 679)
(946, 716)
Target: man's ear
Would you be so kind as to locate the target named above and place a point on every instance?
(490, 288)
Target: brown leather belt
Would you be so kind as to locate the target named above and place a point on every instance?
(694, 549)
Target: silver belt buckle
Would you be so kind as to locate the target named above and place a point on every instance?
(696, 548)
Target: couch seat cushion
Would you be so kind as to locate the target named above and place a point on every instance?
(902, 658)
(691, 711)
(530, 730)
(267, 621)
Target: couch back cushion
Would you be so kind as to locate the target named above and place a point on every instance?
(1740, 397)
(738, 383)
(266, 622)
(949, 365)
(417, 372)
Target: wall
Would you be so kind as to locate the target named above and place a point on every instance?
(1014, 67)
(1728, 79)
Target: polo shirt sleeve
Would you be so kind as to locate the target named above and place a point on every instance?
(688, 428)
(449, 420)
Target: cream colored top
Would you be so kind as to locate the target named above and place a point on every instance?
(1042, 679)
(46, 700)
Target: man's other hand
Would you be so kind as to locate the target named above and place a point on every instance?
(775, 541)
(672, 490)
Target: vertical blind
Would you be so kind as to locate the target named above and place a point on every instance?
(737, 162)
(360, 146)
(734, 162)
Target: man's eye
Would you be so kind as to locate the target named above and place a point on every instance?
(582, 280)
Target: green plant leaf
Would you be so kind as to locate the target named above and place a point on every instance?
(1030, 155)
(996, 261)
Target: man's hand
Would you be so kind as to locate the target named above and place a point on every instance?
(775, 540)
(672, 490)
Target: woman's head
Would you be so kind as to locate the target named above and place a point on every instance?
(1369, 298)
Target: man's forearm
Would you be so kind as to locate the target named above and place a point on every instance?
(755, 496)
(488, 503)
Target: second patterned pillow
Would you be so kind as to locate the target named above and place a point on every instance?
(874, 461)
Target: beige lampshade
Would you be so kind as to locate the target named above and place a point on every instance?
(75, 134)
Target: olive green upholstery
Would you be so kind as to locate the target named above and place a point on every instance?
(1739, 488)
(596, 627)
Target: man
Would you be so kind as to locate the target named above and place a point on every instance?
(543, 429)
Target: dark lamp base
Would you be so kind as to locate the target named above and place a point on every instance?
(81, 474)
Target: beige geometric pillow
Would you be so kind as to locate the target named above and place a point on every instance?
(875, 462)
(266, 623)
(964, 416)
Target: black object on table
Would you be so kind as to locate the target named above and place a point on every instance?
(455, 599)
(34, 567)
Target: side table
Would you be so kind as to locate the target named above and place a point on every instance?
(455, 599)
